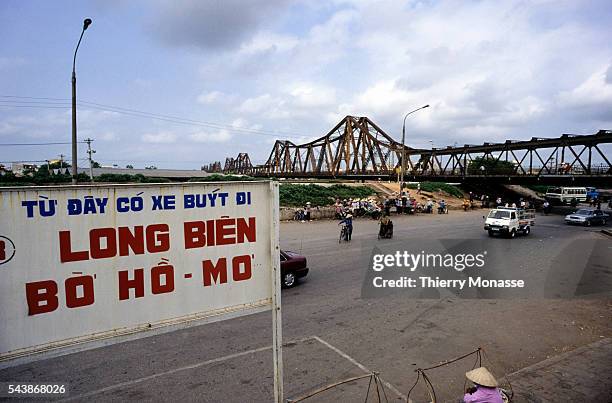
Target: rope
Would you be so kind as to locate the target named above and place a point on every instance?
(368, 391)
(413, 386)
(480, 354)
(382, 386)
(373, 376)
(453, 360)
(504, 376)
(477, 362)
(429, 384)
(430, 388)
(377, 391)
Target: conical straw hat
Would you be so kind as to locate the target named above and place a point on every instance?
(481, 376)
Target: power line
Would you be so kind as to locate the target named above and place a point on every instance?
(37, 144)
(37, 102)
(23, 97)
(18, 161)
(34, 106)
(133, 112)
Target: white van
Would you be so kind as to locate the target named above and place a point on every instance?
(563, 195)
(509, 221)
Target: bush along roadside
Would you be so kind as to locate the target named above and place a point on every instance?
(299, 195)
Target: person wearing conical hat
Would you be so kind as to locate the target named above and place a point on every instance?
(485, 389)
(307, 212)
(348, 221)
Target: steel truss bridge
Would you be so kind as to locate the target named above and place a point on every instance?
(356, 148)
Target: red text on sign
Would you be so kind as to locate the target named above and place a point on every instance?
(162, 281)
(42, 296)
(217, 272)
(224, 231)
(110, 242)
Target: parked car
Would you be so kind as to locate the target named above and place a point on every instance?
(587, 217)
(293, 266)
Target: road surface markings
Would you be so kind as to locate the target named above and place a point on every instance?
(359, 365)
(137, 381)
(165, 373)
(180, 369)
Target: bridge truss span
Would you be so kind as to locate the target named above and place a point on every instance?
(357, 148)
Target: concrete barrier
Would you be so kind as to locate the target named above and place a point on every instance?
(316, 213)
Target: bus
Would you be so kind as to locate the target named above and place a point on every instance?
(563, 195)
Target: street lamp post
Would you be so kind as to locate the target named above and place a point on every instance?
(86, 24)
(404, 147)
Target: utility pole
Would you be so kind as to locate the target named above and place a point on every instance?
(86, 24)
(61, 163)
(404, 147)
(90, 151)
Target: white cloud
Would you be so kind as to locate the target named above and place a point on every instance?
(489, 70)
(259, 104)
(309, 95)
(265, 41)
(210, 97)
(159, 138)
(219, 136)
(595, 91)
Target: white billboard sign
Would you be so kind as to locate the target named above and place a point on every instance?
(87, 262)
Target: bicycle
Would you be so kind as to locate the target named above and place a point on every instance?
(343, 234)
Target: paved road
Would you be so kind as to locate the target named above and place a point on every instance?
(335, 328)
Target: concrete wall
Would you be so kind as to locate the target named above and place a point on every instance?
(286, 213)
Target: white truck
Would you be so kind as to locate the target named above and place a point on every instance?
(509, 221)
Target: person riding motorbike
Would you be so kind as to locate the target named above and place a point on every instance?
(466, 204)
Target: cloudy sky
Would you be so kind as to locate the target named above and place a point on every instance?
(180, 83)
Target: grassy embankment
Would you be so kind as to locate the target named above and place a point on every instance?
(431, 187)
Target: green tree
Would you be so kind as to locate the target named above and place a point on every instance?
(491, 166)
(59, 164)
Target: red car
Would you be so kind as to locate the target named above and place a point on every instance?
(293, 266)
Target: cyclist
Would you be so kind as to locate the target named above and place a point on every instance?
(348, 222)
